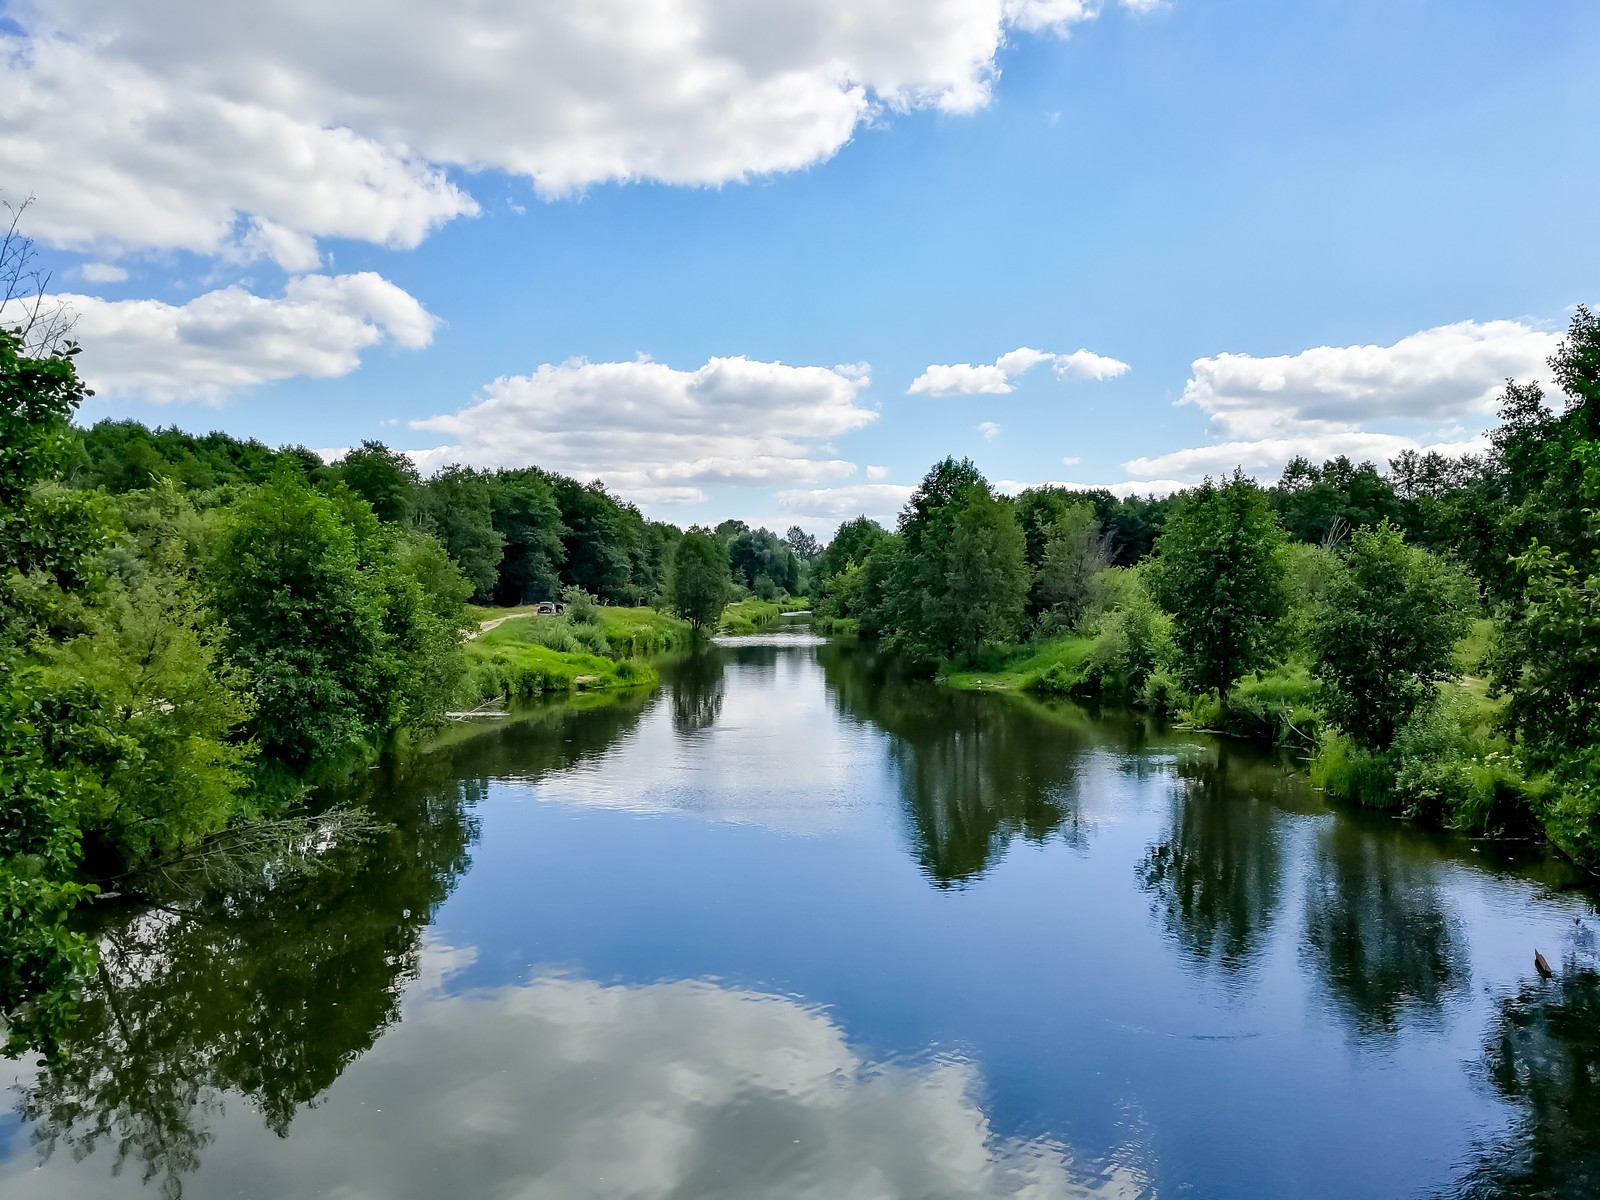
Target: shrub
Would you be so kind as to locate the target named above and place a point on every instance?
(580, 605)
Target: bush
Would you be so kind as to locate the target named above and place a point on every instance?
(592, 639)
(1343, 769)
(1278, 707)
(1162, 693)
(581, 607)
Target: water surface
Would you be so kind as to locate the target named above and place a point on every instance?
(795, 925)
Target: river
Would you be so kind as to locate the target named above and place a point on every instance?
(793, 925)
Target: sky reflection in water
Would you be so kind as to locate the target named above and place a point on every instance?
(797, 926)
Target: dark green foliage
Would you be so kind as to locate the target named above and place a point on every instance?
(1073, 555)
(384, 478)
(752, 555)
(456, 509)
(125, 456)
(1220, 575)
(604, 543)
(45, 542)
(349, 630)
(801, 544)
(961, 577)
(700, 579)
(304, 620)
(1385, 633)
(523, 510)
(1326, 504)
(853, 542)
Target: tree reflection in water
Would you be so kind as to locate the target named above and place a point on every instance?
(1543, 1056)
(1378, 933)
(270, 992)
(1217, 878)
(974, 771)
(697, 686)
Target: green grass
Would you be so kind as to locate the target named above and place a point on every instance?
(746, 616)
(517, 670)
(637, 632)
(1019, 668)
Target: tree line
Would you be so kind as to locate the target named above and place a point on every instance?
(1429, 636)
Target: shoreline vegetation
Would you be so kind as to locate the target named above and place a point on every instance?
(200, 635)
(1427, 640)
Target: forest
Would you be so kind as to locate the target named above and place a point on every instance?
(199, 632)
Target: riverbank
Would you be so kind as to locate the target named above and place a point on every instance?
(520, 654)
(1451, 766)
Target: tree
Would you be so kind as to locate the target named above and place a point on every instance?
(384, 478)
(700, 579)
(1074, 554)
(801, 544)
(456, 510)
(961, 574)
(985, 575)
(1385, 633)
(1219, 574)
(46, 543)
(162, 708)
(304, 620)
(852, 542)
(523, 510)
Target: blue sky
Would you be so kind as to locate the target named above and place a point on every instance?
(1327, 226)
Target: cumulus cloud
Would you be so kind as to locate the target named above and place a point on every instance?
(182, 124)
(658, 434)
(995, 379)
(122, 157)
(877, 474)
(880, 501)
(989, 429)
(231, 339)
(1433, 390)
(568, 1087)
(96, 272)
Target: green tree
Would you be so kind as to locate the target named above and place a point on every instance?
(962, 578)
(1220, 576)
(159, 733)
(456, 509)
(700, 579)
(1385, 632)
(523, 510)
(46, 542)
(1074, 555)
(304, 620)
(384, 478)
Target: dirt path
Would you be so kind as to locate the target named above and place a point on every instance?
(485, 626)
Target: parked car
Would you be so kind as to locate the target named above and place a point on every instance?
(546, 609)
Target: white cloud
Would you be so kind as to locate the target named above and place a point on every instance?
(572, 1088)
(96, 272)
(1266, 457)
(230, 339)
(877, 474)
(1071, 460)
(659, 434)
(995, 379)
(182, 124)
(989, 430)
(1452, 373)
(1435, 389)
(121, 157)
(880, 501)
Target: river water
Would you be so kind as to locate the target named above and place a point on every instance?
(794, 925)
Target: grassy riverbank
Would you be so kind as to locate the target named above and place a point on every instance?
(747, 616)
(529, 655)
